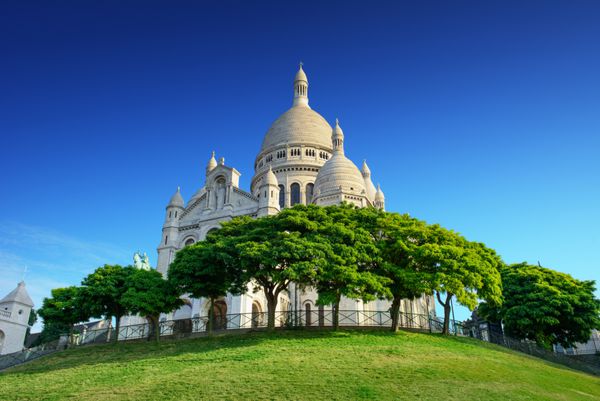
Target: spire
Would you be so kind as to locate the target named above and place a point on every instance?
(300, 88)
(365, 170)
(337, 137)
(270, 178)
(212, 163)
(379, 198)
(176, 199)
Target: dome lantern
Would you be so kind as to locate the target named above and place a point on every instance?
(300, 88)
(337, 137)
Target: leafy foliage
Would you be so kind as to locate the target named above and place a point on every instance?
(546, 306)
(62, 311)
(204, 270)
(104, 290)
(149, 295)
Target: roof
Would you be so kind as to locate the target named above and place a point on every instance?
(298, 125)
(19, 295)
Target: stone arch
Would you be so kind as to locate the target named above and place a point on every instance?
(184, 312)
(220, 185)
(220, 314)
(209, 230)
(220, 309)
(257, 315)
(308, 313)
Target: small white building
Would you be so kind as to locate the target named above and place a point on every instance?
(14, 319)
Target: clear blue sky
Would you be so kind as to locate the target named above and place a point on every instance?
(481, 116)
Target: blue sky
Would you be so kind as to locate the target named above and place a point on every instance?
(481, 116)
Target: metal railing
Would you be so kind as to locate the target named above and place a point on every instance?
(283, 319)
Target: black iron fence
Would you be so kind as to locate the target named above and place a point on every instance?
(248, 321)
(17, 358)
(483, 333)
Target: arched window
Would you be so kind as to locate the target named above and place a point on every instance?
(295, 194)
(189, 242)
(310, 187)
(281, 196)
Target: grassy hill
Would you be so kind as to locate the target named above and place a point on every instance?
(319, 365)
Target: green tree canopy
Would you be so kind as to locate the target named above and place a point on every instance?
(545, 306)
(205, 270)
(458, 268)
(397, 237)
(65, 308)
(103, 291)
(149, 295)
(351, 259)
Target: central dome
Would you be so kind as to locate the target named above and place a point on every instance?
(298, 125)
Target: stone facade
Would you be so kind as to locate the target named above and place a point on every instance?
(301, 160)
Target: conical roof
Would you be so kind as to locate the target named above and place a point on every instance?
(176, 199)
(19, 295)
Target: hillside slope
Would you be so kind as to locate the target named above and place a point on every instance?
(295, 365)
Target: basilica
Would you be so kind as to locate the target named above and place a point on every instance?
(301, 160)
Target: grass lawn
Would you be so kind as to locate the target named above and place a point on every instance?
(297, 365)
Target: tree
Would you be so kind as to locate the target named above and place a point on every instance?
(350, 263)
(273, 253)
(63, 310)
(545, 306)
(397, 237)
(149, 295)
(458, 268)
(103, 291)
(204, 270)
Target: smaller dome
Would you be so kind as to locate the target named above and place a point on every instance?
(176, 199)
(339, 174)
(270, 178)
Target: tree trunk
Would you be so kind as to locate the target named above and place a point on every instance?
(271, 306)
(154, 328)
(395, 311)
(211, 316)
(71, 331)
(336, 313)
(117, 328)
(446, 305)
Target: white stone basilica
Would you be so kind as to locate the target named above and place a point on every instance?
(301, 160)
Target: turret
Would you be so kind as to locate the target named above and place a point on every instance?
(268, 200)
(212, 163)
(337, 137)
(369, 187)
(170, 232)
(300, 88)
(379, 199)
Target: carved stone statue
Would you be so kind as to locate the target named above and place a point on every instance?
(141, 261)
